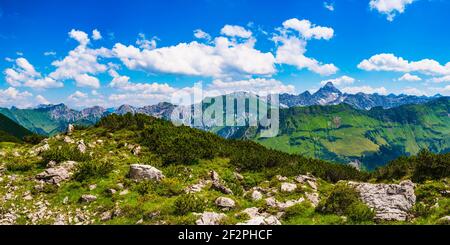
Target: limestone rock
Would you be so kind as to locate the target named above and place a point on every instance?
(81, 146)
(70, 129)
(225, 202)
(57, 174)
(313, 198)
(288, 187)
(272, 202)
(210, 218)
(257, 218)
(217, 183)
(390, 201)
(88, 198)
(256, 195)
(136, 150)
(140, 172)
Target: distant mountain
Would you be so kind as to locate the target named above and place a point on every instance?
(343, 134)
(330, 95)
(52, 119)
(10, 131)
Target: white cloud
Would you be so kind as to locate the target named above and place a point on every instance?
(13, 97)
(259, 86)
(81, 63)
(78, 95)
(83, 100)
(221, 58)
(308, 30)
(409, 77)
(123, 83)
(389, 62)
(364, 89)
(439, 79)
(413, 91)
(292, 52)
(339, 81)
(80, 36)
(202, 35)
(235, 31)
(42, 100)
(84, 80)
(143, 43)
(441, 90)
(96, 35)
(390, 7)
(23, 74)
(329, 6)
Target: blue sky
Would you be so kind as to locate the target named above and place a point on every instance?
(146, 51)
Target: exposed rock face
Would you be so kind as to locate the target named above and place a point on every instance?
(225, 202)
(390, 201)
(197, 187)
(313, 198)
(140, 172)
(136, 150)
(68, 140)
(257, 218)
(42, 149)
(308, 179)
(57, 174)
(288, 187)
(70, 129)
(210, 218)
(217, 183)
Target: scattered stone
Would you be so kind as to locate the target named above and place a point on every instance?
(16, 154)
(65, 200)
(288, 187)
(88, 198)
(238, 176)
(55, 175)
(217, 183)
(140, 172)
(257, 218)
(256, 195)
(124, 192)
(42, 149)
(197, 187)
(210, 218)
(390, 201)
(92, 187)
(444, 220)
(111, 191)
(304, 178)
(81, 146)
(225, 202)
(272, 202)
(70, 129)
(51, 164)
(313, 198)
(119, 186)
(136, 150)
(68, 140)
(281, 178)
(312, 184)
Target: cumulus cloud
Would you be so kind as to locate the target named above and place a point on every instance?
(309, 30)
(413, 91)
(339, 81)
(144, 43)
(81, 63)
(409, 77)
(439, 79)
(96, 35)
(23, 74)
(390, 62)
(390, 7)
(221, 58)
(364, 89)
(235, 31)
(200, 34)
(42, 100)
(50, 53)
(13, 97)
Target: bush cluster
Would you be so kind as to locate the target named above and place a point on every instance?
(92, 169)
(65, 153)
(188, 203)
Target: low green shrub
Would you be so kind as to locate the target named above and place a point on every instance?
(65, 153)
(19, 166)
(187, 203)
(300, 209)
(92, 169)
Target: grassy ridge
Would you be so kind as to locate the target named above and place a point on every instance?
(11, 131)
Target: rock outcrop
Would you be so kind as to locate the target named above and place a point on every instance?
(257, 218)
(140, 172)
(210, 218)
(225, 202)
(390, 201)
(57, 174)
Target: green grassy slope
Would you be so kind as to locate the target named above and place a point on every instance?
(11, 131)
(342, 133)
